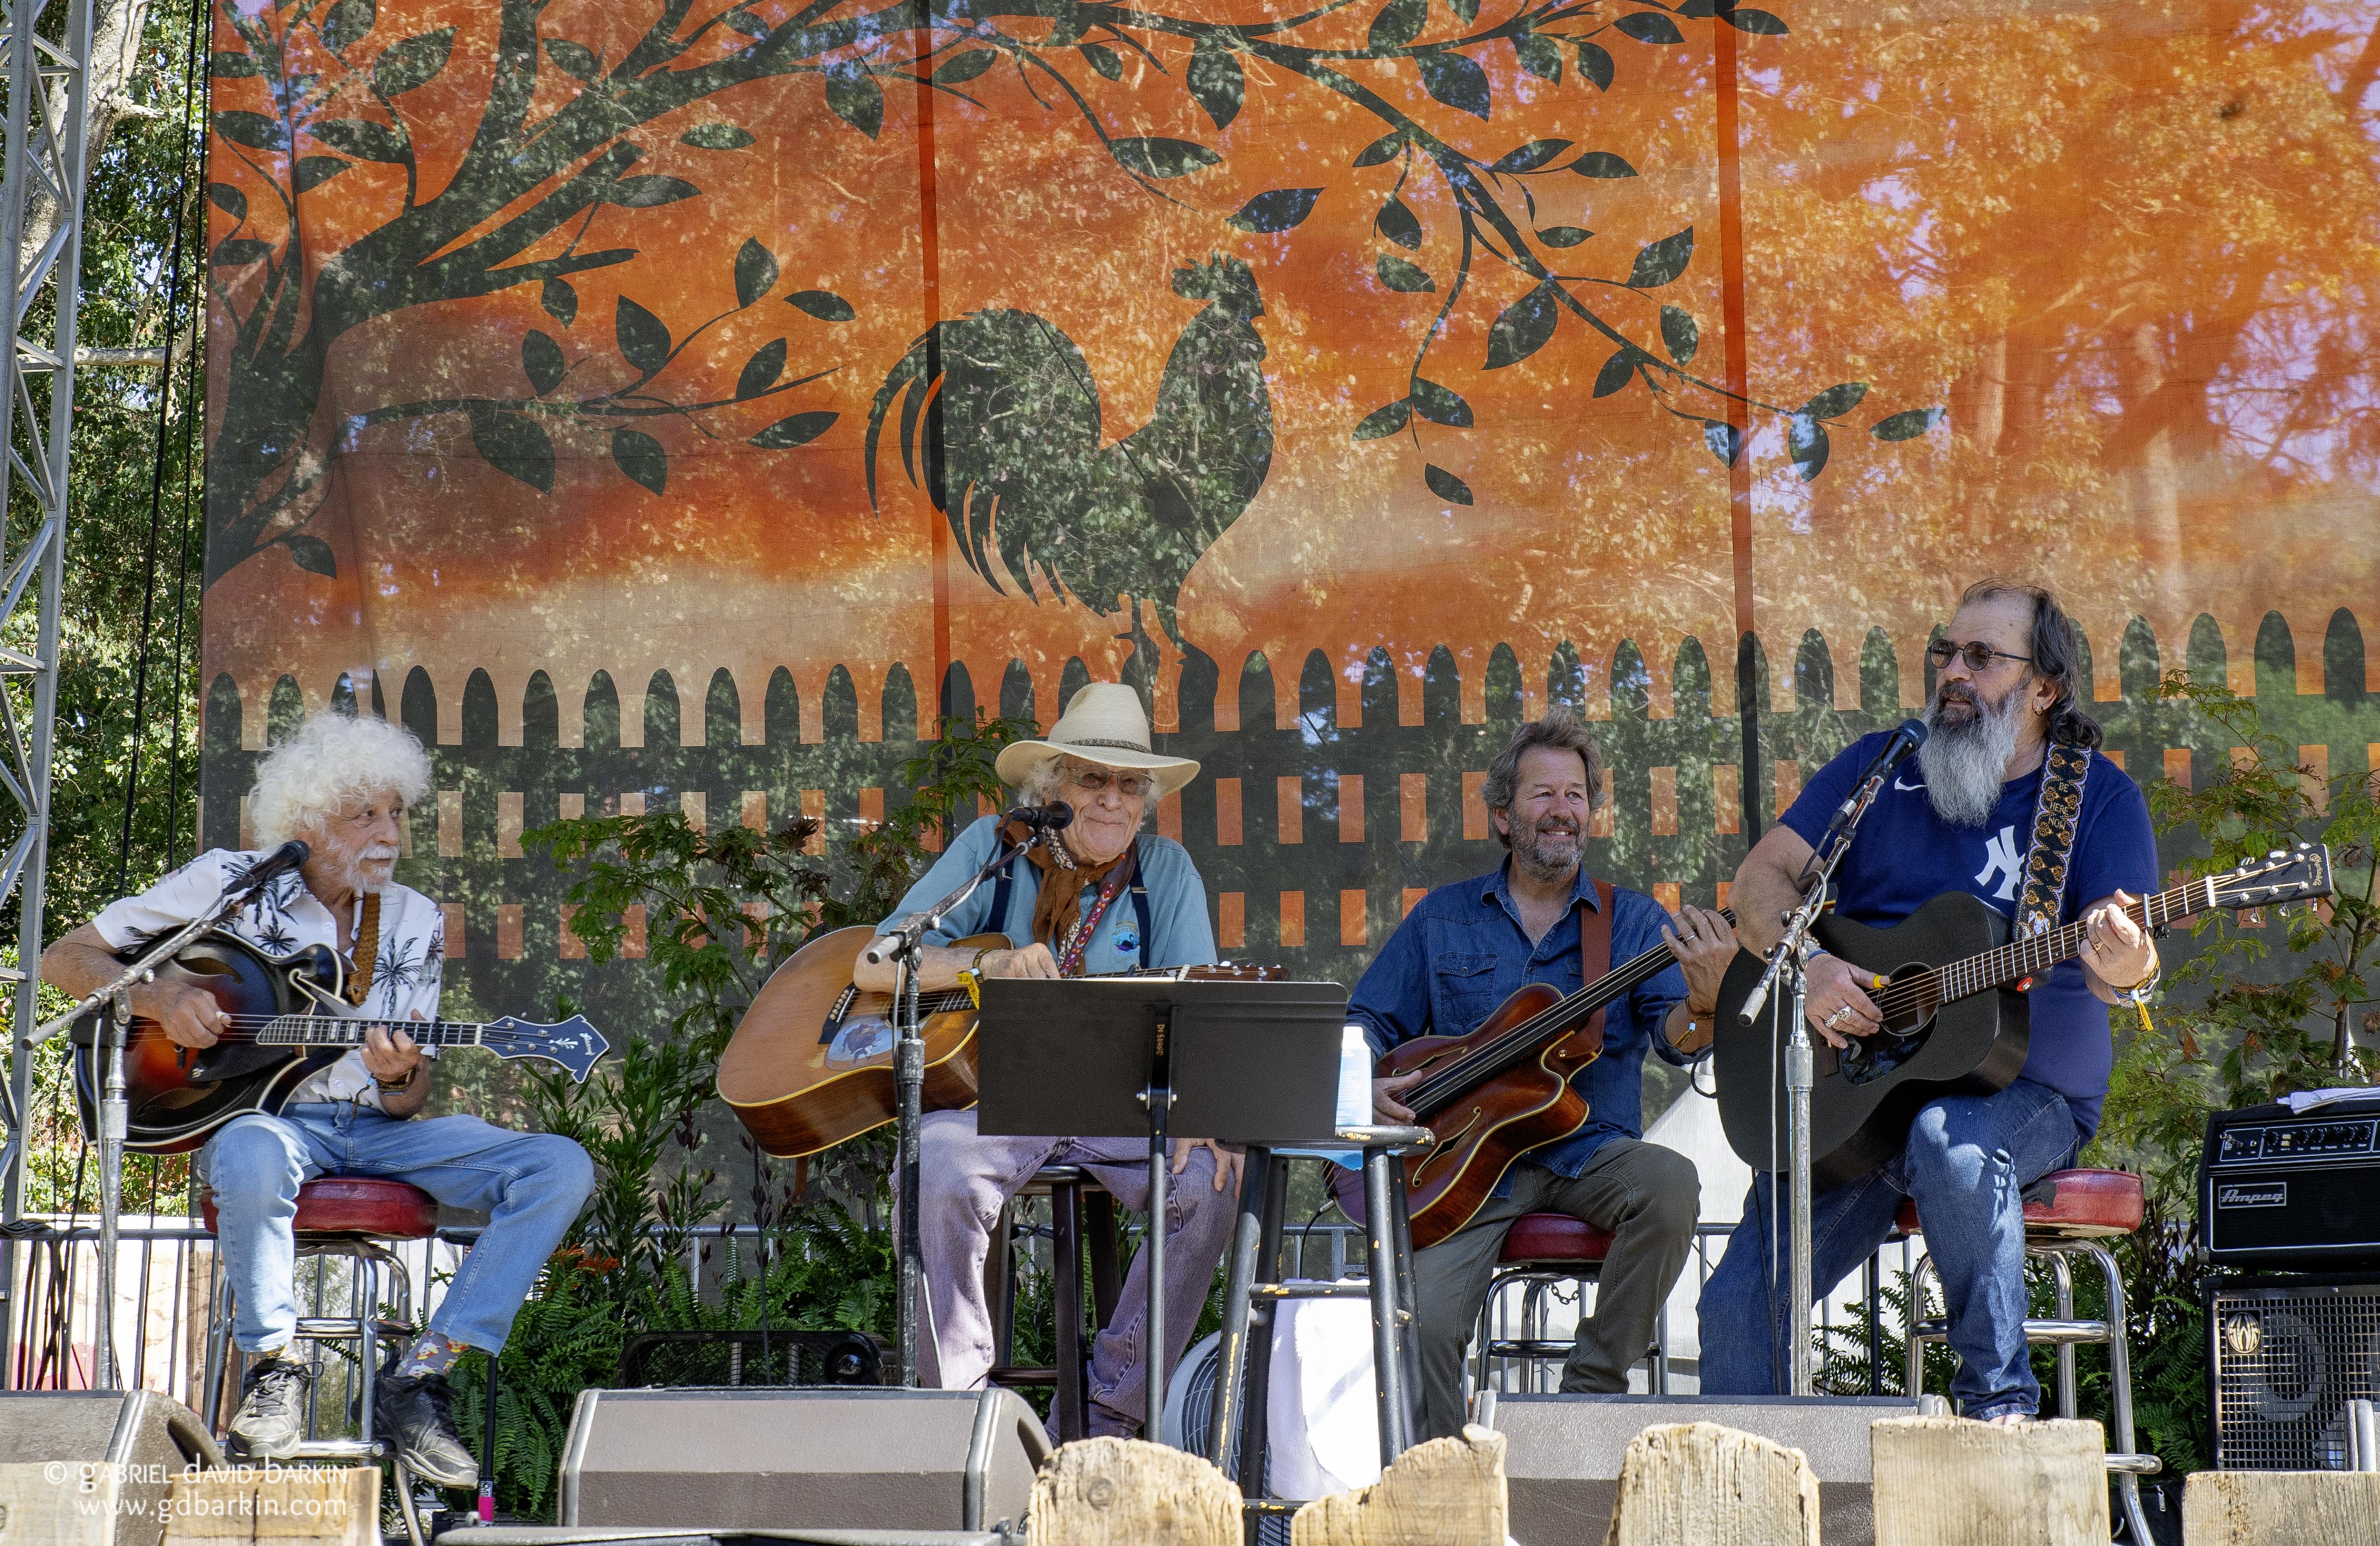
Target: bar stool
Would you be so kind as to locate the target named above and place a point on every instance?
(344, 1217)
(1082, 1217)
(2067, 1212)
(1545, 1252)
(1243, 1370)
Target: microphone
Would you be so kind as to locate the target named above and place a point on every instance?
(1903, 743)
(1054, 817)
(290, 856)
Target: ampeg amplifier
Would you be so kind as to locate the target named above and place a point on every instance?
(2277, 1189)
(2287, 1357)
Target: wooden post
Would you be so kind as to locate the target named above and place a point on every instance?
(1127, 1492)
(2304, 1508)
(1689, 1483)
(1445, 1492)
(1948, 1481)
(64, 1504)
(290, 1505)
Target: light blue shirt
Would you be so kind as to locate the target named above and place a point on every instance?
(1177, 905)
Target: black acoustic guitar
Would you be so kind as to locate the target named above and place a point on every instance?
(288, 1019)
(1954, 1015)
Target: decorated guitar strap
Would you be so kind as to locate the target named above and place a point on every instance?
(2054, 823)
(366, 953)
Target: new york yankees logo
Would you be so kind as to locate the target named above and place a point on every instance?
(2002, 859)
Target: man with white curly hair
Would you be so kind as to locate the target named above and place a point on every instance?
(341, 784)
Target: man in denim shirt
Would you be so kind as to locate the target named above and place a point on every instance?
(1459, 953)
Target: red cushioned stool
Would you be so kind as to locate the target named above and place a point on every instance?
(345, 1218)
(2066, 1212)
(1541, 1253)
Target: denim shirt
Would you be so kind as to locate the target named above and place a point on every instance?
(1461, 952)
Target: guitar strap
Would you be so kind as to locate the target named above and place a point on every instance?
(1005, 885)
(1595, 952)
(366, 953)
(2054, 824)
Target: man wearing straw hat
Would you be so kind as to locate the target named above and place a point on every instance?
(1103, 897)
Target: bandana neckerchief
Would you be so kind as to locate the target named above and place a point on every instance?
(1060, 899)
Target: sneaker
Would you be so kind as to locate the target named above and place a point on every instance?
(417, 1417)
(271, 1422)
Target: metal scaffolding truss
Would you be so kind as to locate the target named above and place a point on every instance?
(47, 46)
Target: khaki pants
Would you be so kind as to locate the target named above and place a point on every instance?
(1646, 1195)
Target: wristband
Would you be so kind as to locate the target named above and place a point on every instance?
(395, 1086)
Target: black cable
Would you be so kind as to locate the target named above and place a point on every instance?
(203, 87)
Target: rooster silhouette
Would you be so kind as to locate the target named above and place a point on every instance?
(1000, 411)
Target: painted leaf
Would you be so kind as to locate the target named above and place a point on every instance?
(561, 301)
(1726, 442)
(756, 272)
(312, 171)
(1602, 164)
(229, 199)
(1663, 262)
(541, 358)
(1805, 442)
(1529, 157)
(1157, 157)
(1524, 328)
(1595, 64)
(1102, 59)
(643, 339)
(715, 137)
(960, 68)
(574, 58)
(1465, 10)
(1650, 27)
(641, 457)
(232, 251)
(252, 129)
(311, 554)
(517, 447)
(1445, 484)
(644, 193)
(747, 23)
(1399, 275)
(1908, 424)
(1398, 23)
(1617, 373)
(1383, 149)
(825, 305)
(1679, 334)
(1563, 235)
(1455, 80)
(799, 430)
(1748, 20)
(346, 24)
(760, 373)
(853, 95)
(1440, 406)
(1398, 223)
(362, 139)
(1279, 210)
(413, 62)
(1215, 82)
(226, 66)
(1836, 401)
(1382, 422)
(1540, 56)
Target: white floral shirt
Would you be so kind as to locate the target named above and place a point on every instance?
(284, 917)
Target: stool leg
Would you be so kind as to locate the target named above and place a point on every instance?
(1388, 1353)
(405, 1503)
(1072, 1402)
(1913, 1368)
(2119, 1371)
(366, 1271)
(219, 1344)
(1247, 1237)
(2063, 1278)
(1408, 1295)
(1873, 1275)
(1099, 1233)
(999, 1283)
(1255, 1399)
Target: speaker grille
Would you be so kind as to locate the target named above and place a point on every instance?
(2286, 1361)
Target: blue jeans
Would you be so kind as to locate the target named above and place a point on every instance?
(1967, 1162)
(531, 1183)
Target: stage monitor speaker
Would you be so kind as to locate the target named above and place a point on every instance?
(1563, 1452)
(149, 1438)
(2288, 1354)
(772, 1457)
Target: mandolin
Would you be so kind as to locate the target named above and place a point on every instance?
(288, 1019)
(1955, 1016)
(810, 1064)
(1503, 1090)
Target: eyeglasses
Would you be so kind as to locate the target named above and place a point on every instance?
(1092, 780)
(1975, 653)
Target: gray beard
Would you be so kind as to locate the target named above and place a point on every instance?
(1966, 764)
(1531, 859)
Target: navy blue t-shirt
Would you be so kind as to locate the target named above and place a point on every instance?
(1904, 856)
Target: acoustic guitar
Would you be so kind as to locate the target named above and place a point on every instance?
(1503, 1090)
(287, 1018)
(1955, 1016)
(810, 1064)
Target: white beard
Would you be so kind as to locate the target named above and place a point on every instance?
(1965, 764)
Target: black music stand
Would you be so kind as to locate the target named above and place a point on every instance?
(1238, 1062)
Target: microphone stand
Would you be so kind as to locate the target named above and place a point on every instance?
(1789, 966)
(899, 945)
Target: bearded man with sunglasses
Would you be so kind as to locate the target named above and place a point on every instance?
(1958, 817)
(1102, 897)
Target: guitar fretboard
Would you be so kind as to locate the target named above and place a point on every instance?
(330, 1030)
(2032, 955)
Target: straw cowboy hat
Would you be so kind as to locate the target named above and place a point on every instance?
(1103, 724)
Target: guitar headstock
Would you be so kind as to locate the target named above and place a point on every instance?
(574, 1045)
(2296, 874)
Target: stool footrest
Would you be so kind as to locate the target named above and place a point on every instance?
(1021, 1374)
(343, 1327)
(1345, 1288)
(2136, 1465)
(340, 1449)
(2048, 1333)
